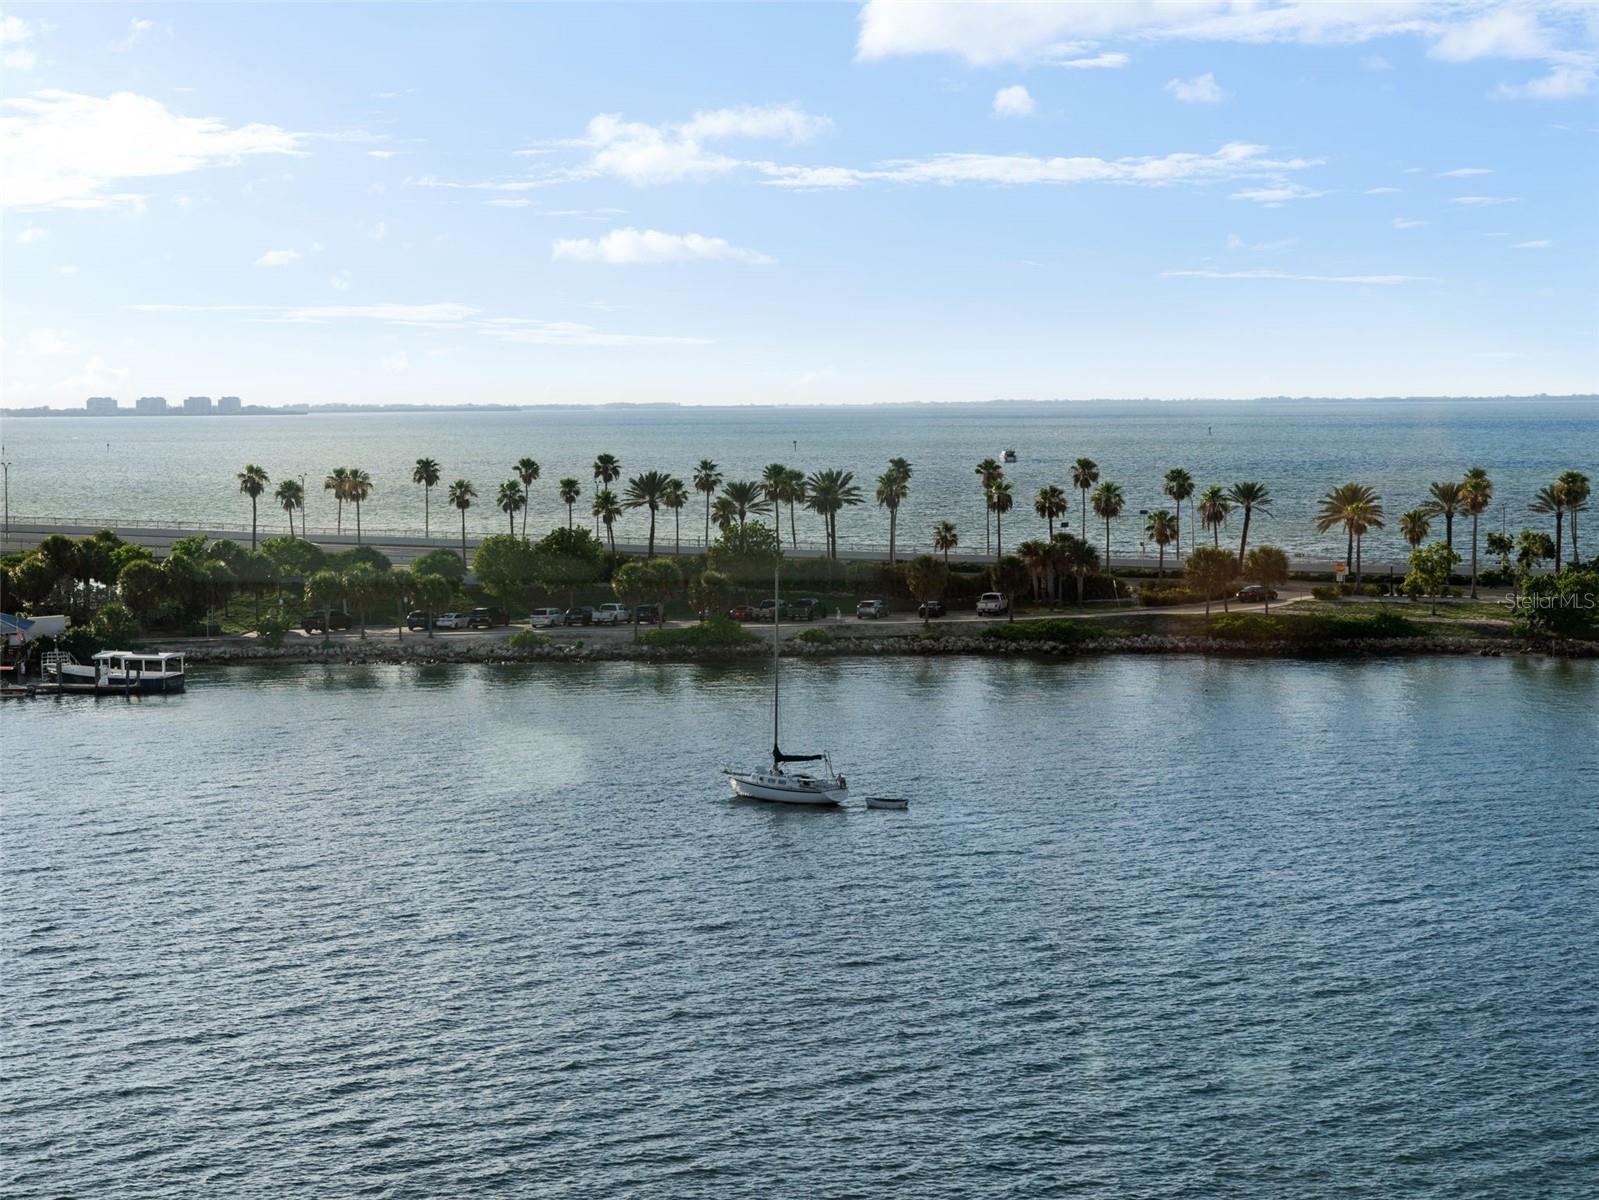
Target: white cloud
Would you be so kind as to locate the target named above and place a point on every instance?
(1020, 31)
(1382, 191)
(278, 258)
(96, 376)
(1234, 242)
(396, 362)
(509, 202)
(66, 149)
(1563, 82)
(1368, 280)
(32, 233)
(1408, 223)
(383, 153)
(339, 281)
(1376, 62)
(1202, 89)
(1483, 201)
(137, 28)
(627, 246)
(15, 54)
(1112, 60)
(1464, 172)
(50, 341)
(446, 317)
(1236, 160)
(1013, 101)
(1277, 194)
(1539, 244)
(642, 154)
(68, 269)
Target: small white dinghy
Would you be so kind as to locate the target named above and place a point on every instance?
(887, 802)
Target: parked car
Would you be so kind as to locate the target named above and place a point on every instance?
(583, 614)
(451, 620)
(649, 614)
(744, 612)
(802, 610)
(481, 618)
(993, 604)
(416, 619)
(322, 622)
(769, 607)
(1255, 594)
(543, 618)
(612, 614)
(930, 608)
(871, 610)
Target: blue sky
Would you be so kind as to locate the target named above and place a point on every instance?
(797, 203)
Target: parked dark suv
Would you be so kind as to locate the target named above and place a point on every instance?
(416, 619)
(930, 608)
(321, 622)
(649, 614)
(486, 618)
(583, 614)
(802, 610)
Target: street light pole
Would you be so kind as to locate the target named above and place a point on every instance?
(5, 486)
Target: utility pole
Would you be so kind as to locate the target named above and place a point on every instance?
(5, 485)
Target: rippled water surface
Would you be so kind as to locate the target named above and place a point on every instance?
(1150, 928)
(182, 468)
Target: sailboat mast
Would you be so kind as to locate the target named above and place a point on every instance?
(777, 625)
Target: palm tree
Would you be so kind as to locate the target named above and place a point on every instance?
(1447, 498)
(461, 494)
(773, 480)
(426, 472)
(1248, 496)
(607, 470)
(988, 473)
(1214, 509)
(1050, 503)
(1035, 555)
(945, 538)
(528, 472)
(358, 486)
(607, 508)
(1078, 556)
(1552, 499)
(724, 514)
(1364, 515)
(1162, 528)
(747, 496)
(893, 485)
(337, 482)
(511, 500)
(1414, 527)
(647, 491)
(1179, 486)
(1000, 498)
(1085, 474)
(793, 493)
(569, 490)
(290, 496)
(1574, 487)
(252, 482)
(1479, 494)
(1349, 505)
(707, 478)
(827, 493)
(1108, 505)
(675, 497)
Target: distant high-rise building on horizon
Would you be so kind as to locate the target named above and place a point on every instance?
(230, 404)
(197, 404)
(101, 405)
(150, 404)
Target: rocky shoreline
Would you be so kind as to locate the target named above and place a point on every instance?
(424, 652)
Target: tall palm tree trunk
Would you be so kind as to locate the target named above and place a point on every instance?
(1474, 554)
(357, 522)
(426, 514)
(999, 541)
(893, 521)
(339, 524)
(463, 537)
(793, 537)
(677, 531)
(707, 542)
(1243, 539)
(252, 523)
(525, 507)
(652, 539)
(1559, 541)
(1107, 545)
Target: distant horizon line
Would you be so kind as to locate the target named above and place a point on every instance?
(347, 407)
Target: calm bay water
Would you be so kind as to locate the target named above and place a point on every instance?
(156, 470)
(1152, 927)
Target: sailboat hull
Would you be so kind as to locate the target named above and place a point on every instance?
(787, 789)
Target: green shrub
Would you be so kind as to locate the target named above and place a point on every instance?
(1326, 592)
(1056, 630)
(271, 628)
(115, 626)
(529, 639)
(815, 636)
(1373, 590)
(718, 631)
(1151, 596)
(1309, 630)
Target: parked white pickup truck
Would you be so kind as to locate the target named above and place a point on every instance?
(612, 614)
(992, 604)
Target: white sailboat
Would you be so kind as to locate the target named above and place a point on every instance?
(781, 784)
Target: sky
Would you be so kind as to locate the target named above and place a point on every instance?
(791, 203)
